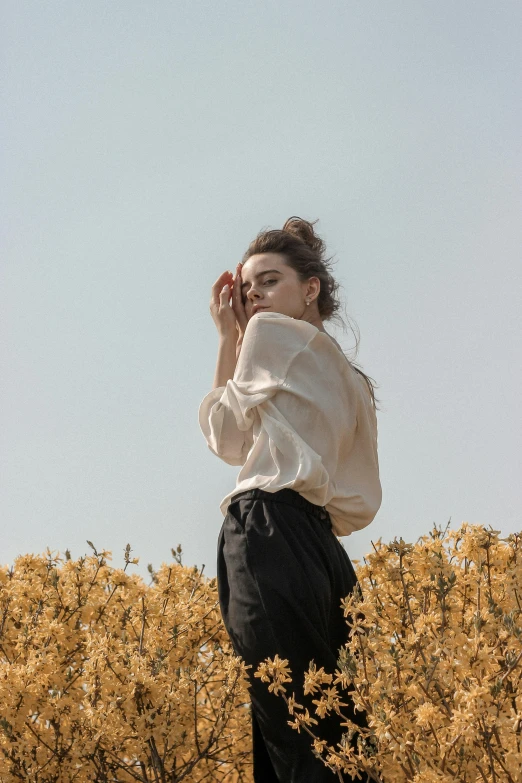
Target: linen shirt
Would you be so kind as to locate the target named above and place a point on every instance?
(297, 414)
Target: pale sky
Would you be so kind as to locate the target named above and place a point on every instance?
(145, 145)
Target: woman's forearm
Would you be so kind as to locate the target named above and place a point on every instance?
(226, 362)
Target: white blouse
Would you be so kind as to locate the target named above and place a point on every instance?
(296, 414)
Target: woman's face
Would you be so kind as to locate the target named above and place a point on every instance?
(268, 281)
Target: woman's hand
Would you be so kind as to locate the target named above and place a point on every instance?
(231, 321)
(220, 310)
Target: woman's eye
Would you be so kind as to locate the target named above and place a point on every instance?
(244, 298)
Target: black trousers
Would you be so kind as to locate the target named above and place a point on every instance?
(281, 576)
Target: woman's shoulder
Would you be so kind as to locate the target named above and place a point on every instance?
(278, 320)
(277, 326)
(272, 340)
(270, 315)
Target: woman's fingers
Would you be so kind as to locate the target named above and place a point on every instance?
(237, 285)
(237, 301)
(222, 314)
(220, 309)
(223, 279)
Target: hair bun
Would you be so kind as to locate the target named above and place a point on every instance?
(304, 230)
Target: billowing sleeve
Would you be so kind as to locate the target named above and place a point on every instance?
(356, 510)
(227, 414)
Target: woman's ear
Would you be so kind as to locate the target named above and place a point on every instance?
(314, 287)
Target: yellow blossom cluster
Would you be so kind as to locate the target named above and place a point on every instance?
(104, 678)
(433, 657)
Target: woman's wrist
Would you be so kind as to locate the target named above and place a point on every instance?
(226, 361)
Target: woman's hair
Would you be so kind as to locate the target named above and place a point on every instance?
(304, 251)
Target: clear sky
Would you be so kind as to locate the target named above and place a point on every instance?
(145, 145)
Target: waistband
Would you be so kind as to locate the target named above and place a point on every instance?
(285, 495)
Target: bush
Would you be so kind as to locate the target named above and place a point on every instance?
(103, 678)
(433, 656)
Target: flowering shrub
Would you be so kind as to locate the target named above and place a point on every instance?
(103, 678)
(433, 656)
(106, 679)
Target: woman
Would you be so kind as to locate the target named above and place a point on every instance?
(300, 419)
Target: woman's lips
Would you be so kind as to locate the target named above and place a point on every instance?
(256, 309)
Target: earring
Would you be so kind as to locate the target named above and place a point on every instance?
(307, 302)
